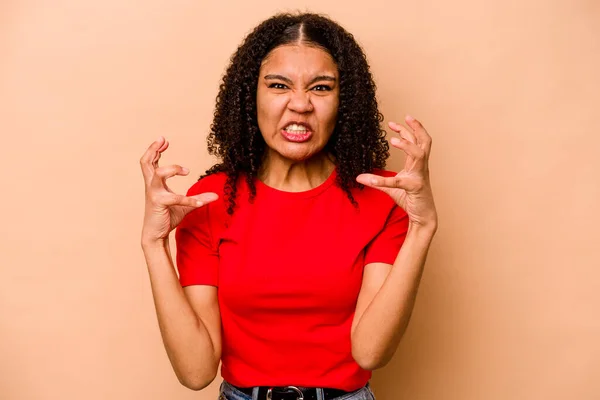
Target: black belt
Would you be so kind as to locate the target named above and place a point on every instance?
(291, 393)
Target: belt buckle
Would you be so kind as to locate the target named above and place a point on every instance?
(294, 388)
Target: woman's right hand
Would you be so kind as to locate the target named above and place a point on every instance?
(165, 209)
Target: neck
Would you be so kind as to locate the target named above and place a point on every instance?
(295, 176)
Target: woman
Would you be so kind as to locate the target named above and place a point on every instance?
(316, 251)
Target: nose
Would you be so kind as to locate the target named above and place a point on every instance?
(300, 102)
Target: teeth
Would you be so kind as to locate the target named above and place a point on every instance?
(296, 128)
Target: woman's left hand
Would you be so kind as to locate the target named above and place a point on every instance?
(410, 188)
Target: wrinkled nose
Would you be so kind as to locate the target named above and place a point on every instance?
(300, 102)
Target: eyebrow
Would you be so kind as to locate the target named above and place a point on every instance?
(313, 80)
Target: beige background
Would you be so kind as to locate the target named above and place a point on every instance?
(509, 90)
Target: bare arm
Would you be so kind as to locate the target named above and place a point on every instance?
(386, 301)
(387, 297)
(189, 320)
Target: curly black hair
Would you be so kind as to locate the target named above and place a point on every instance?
(357, 144)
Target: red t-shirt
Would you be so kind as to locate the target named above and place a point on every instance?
(289, 270)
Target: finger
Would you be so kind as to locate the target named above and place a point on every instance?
(146, 161)
(150, 153)
(169, 171)
(371, 180)
(198, 200)
(403, 132)
(376, 182)
(420, 132)
(159, 152)
(411, 149)
(164, 146)
(380, 181)
(387, 184)
(204, 198)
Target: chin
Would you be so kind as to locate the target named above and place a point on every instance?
(297, 155)
(295, 152)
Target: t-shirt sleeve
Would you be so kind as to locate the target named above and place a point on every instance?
(385, 246)
(197, 256)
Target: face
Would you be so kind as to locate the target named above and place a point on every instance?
(297, 101)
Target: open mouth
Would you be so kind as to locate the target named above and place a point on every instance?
(297, 132)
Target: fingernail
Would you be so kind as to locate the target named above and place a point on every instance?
(374, 181)
(198, 203)
(410, 118)
(395, 140)
(185, 170)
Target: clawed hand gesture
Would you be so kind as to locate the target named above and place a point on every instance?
(165, 209)
(410, 188)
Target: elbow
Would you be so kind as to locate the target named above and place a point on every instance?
(367, 360)
(194, 384)
(196, 381)
(369, 364)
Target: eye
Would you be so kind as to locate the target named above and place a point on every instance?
(277, 86)
(322, 88)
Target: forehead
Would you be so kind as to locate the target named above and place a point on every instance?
(298, 59)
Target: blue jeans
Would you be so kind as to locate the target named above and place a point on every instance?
(228, 392)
